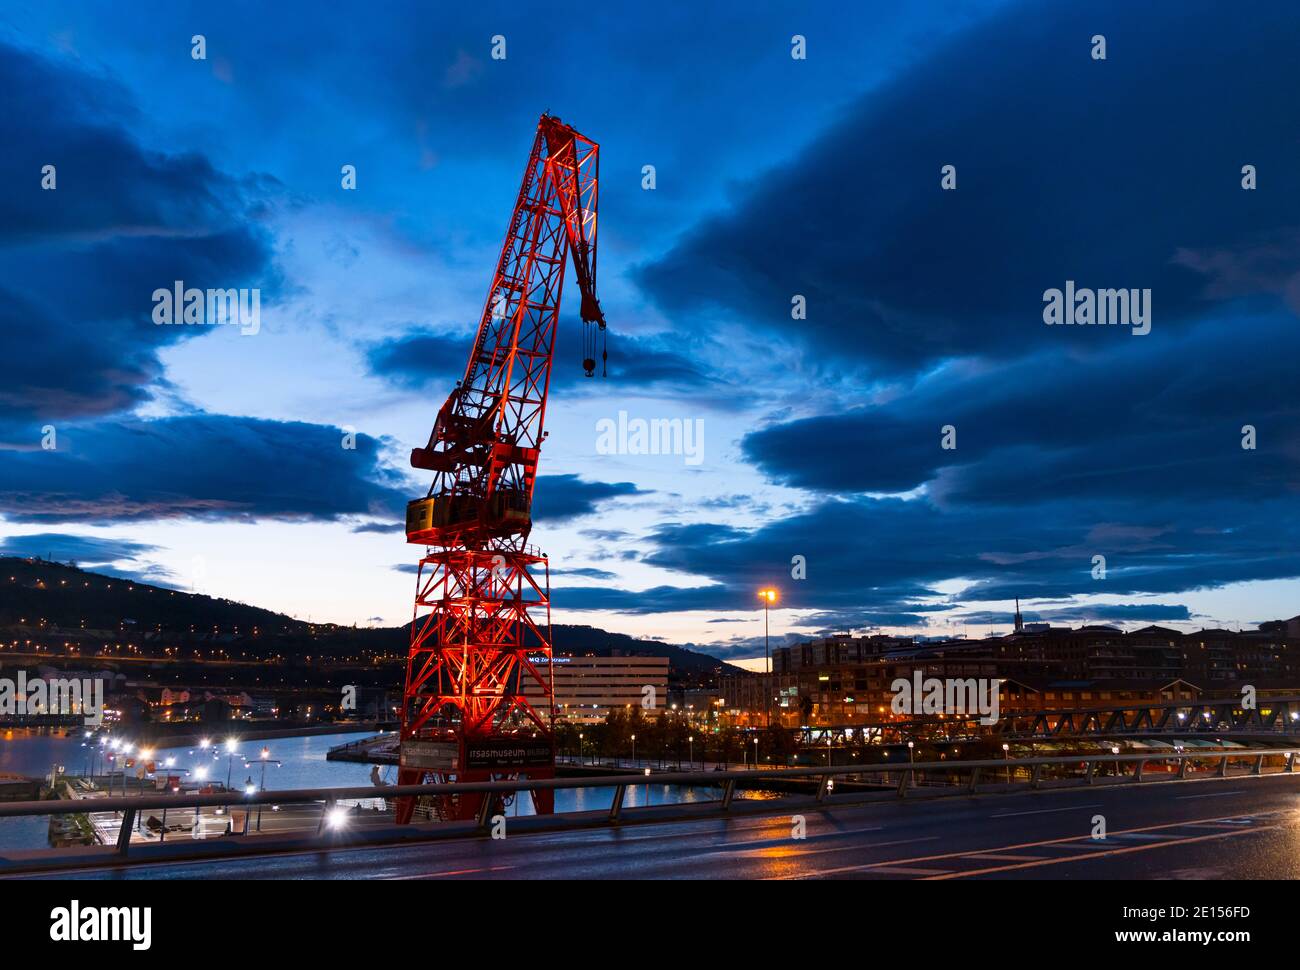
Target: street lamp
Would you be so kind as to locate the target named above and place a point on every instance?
(266, 759)
(231, 745)
(911, 774)
(634, 751)
(1006, 755)
(768, 596)
(691, 742)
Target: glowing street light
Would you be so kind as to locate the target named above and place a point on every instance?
(231, 744)
(768, 596)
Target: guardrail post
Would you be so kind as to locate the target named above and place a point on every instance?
(324, 815)
(824, 789)
(1036, 777)
(1182, 767)
(485, 810)
(124, 833)
(616, 808)
(728, 792)
(1290, 762)
(904, 781)
(1087, 775)
(1137, 775)
(1223, 766)
(974, 780)
(1259, 766)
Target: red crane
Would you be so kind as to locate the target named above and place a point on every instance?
(478, 703)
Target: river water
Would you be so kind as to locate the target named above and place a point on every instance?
(302, 765)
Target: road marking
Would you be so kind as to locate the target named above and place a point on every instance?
(1094, 844)
(898, 871)
(1098, 855)
(873, 865)
(1003, 858)
(452, 872)
(1046, 811)
(1063, 842)
(1217, 794)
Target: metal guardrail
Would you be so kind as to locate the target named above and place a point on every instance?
(728, 780)
(1278, 716)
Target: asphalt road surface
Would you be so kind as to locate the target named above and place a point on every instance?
(1241, 827)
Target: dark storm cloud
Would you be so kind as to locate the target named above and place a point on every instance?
(557, 498)
(200, 467)
(586, 572)
(1071, 442)
(881, 561)
(424, 359)
(1109, 173)
(85, 550)
(1161, 417)
(1084, 613)
(79, 263)
(384, 528)
(660, 599)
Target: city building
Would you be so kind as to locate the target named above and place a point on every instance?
(588, 688)
(845, 680)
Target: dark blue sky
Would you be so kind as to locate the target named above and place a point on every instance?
(212, 460)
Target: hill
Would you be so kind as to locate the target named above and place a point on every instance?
(61, 600)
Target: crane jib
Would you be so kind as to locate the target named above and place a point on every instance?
(478, 669)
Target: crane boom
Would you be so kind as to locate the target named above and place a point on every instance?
(477, 703)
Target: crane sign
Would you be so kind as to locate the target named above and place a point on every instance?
(478, 702)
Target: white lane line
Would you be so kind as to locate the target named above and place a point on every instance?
(1217, 794)
(1088, 846)
(869, 865)
(908, 871)
(1046, 811)
(1003, 857)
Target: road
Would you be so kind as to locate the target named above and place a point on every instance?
(1241, 827)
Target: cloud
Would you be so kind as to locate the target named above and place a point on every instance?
(79, 263)
(559, 498)
(200, 467)
(1084, 613)
(587, 572)
(1158, 417)
(83, 550)
(424, 359)
(1068, 169)
(882, 562)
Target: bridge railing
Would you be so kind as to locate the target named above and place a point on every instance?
(1083, 768)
